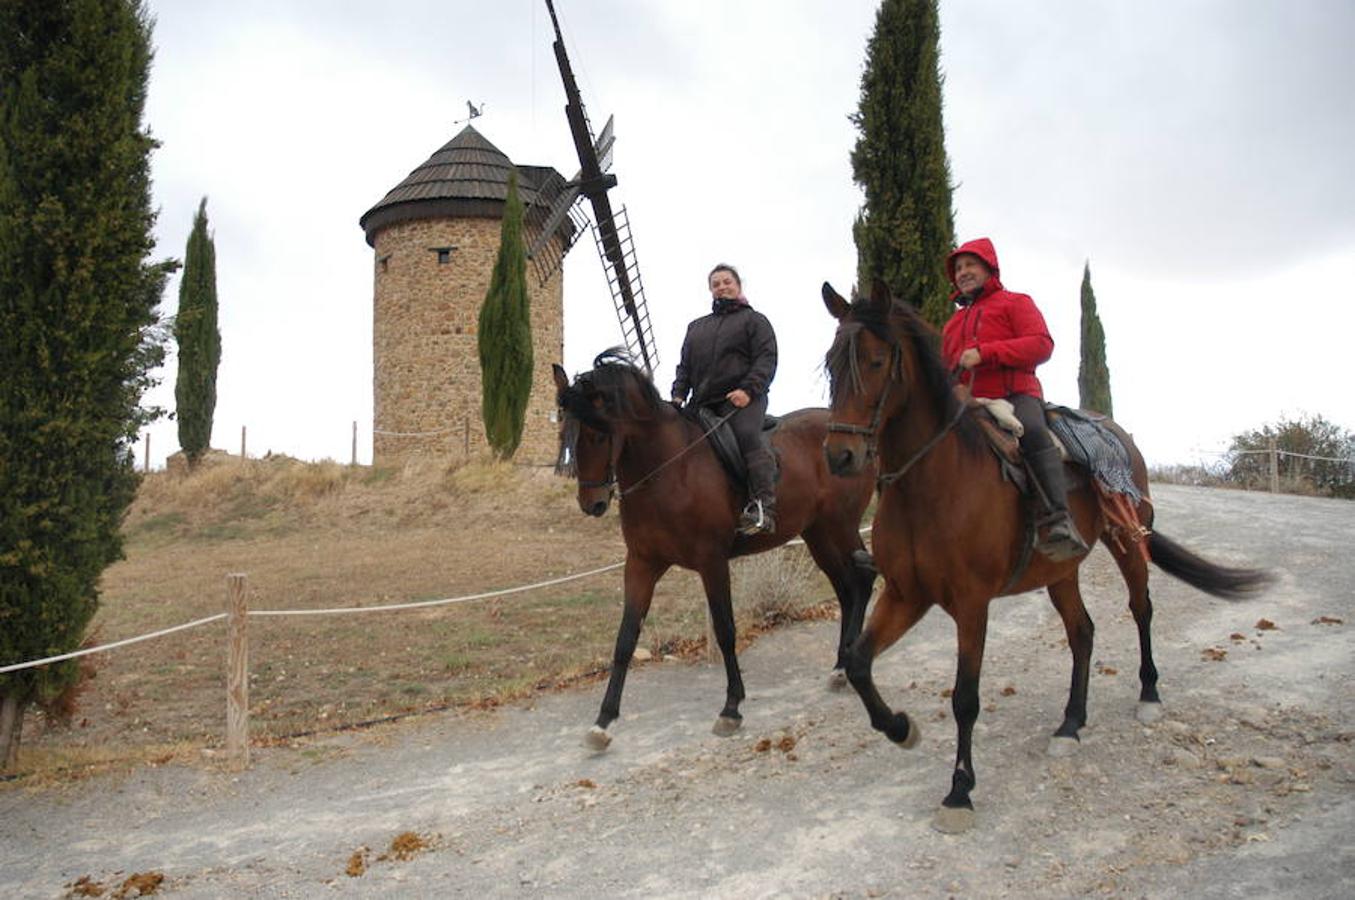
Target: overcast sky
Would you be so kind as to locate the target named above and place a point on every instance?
(1197, 153)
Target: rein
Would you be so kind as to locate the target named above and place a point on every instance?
(610, 480)
(871, 431)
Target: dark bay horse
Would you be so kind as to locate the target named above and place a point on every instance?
(950, 531)
(680, 508)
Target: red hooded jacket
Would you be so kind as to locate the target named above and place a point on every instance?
(1007, 329)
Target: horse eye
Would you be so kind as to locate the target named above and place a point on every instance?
(877, 362)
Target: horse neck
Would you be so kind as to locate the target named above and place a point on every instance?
(908, 430)
(647, 444)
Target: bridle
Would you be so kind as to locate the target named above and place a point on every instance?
(609, 479)
(871, 432)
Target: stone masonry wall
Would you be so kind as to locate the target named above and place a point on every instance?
(425, 359)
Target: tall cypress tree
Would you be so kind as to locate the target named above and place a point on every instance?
(78, 304)
(199, 339)
(505, 336)
(906, 228)
(1093, 374)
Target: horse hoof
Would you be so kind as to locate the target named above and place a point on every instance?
(953, 819)
(902, 724)
(725, 726)
(1060, 747)
(597, 739)
(1148, 713)
(837, 680)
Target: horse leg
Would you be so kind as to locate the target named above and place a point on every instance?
(852, 578)
(716, 580)
(640, 578)
(1135, 572)
(1067, 599)
(957, 809)
(892, 617)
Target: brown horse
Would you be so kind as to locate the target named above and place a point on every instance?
(950, 530)
(679, 507)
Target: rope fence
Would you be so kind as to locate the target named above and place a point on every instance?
(237, 666)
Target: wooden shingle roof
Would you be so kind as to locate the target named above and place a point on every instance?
(467, 176)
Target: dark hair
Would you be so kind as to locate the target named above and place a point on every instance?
(725, 267)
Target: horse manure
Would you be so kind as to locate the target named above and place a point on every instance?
(586, 783)
(84, 886)
(139, 884)
(405, 846)
(1266, 625)
(357, 863)
(786, 744)
(1008, 691)
(1213, 654)
(763, 745)
(1328, 620)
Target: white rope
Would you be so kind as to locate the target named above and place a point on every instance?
(102, 647)
(425, 603)
(1323, 458)
(333, 611)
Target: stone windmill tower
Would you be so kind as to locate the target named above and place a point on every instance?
(436, 236)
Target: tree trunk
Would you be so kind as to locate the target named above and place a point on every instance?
(11, 728)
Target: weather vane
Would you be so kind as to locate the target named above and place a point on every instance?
(474, 112)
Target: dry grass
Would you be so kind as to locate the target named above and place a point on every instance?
(323, 535)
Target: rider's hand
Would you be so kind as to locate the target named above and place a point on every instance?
(970, 358)
(739, 397)
(677, 402)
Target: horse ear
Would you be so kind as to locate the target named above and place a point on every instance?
(837, 307)
(879, 294)
(561, 379)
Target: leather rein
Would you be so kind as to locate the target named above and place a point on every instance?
(871, 432)
(610, 480)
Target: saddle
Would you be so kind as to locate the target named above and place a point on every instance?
(721, 439)
(1098, 455)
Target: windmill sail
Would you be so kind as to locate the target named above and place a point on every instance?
(613, 238)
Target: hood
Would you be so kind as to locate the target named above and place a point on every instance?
(980, 247)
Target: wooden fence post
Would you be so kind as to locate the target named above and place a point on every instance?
(146, 460)
(237, 673)
(1274, 468)
(354, 460)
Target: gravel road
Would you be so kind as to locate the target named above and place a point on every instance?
(1244, 789)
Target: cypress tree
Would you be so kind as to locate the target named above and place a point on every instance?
(78, 305)
(905, 228)
(505, 336)
(195, 330)
(1093, 374)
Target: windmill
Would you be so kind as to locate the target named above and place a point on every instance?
(611, 232)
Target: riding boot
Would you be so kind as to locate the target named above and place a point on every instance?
(1061, 540)
(759, 516)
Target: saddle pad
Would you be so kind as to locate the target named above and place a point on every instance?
(726, 448)
(1091, 444)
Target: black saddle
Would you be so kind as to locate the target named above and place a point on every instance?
(722, 441)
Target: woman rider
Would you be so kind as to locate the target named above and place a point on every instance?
(998, 337)
(728, 361)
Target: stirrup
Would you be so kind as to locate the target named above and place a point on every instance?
(1062, 540)
(755, 519)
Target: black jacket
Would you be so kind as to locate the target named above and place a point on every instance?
(734, 347)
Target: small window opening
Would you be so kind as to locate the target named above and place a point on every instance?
(444, 254)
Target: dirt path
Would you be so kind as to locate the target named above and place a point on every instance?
(1244, 789)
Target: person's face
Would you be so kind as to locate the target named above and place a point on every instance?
(970, 273)
(723, 285)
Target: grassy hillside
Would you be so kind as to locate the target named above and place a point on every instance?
(321, 535)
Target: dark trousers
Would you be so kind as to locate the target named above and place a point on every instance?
(1030, 411)
(746, 424)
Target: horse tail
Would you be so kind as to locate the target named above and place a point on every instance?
(1198, 572)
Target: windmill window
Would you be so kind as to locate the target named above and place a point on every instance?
(384, 262)
(444, 254)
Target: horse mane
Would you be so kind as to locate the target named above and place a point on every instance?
(627, 392)
(900, 323)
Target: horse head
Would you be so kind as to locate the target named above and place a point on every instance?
(865, 368)
(598, 412)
